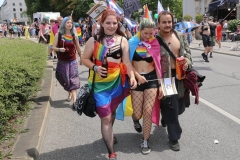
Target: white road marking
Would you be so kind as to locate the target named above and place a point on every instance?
(235, 119)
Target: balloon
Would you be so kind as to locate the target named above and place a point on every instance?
(156, 16)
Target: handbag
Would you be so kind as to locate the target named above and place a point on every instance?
(86, 102)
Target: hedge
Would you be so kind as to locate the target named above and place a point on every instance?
(22, 64)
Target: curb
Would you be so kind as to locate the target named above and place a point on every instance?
(28, 145)
(225, 53)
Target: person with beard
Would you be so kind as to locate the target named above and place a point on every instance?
(174, 105)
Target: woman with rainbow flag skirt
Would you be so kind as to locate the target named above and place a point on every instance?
(145, 57)
(109, 92)
(67, 65)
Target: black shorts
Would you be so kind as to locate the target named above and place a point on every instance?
(207, 40)
(150, 84)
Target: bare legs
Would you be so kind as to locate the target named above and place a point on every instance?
(219, 43)
(107, 131)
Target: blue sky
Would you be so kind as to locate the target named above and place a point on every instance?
(1, 2)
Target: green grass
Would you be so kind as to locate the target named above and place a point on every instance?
(22, 65)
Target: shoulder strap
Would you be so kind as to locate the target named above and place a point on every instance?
(94, 73)
(74, 39)
(166, 47)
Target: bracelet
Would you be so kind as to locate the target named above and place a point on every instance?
(95, 68)
(59, 49)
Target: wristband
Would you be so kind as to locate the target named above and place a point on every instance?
(95, 68)
(59, 49)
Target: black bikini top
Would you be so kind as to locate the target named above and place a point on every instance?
(137, 57)
(115, 51)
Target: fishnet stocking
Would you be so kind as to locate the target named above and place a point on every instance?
(142, 103)
(149, 100)
(137, 104)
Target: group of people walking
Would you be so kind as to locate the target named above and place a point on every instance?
(135, 67)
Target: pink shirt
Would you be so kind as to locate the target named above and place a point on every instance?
(44, 29)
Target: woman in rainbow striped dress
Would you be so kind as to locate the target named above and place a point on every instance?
(67, 65)
(109, 92)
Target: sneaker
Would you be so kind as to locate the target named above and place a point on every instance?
(55, 57)
(145, 147)
(51, 54)
(199, 44)
(203, 56)
(115, 141)
(174, 145)
(137, 126)
(112, 156)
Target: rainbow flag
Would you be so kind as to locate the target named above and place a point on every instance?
(68, 39)
(142, 51)
(146, 12)
(79, 34)
(109, 92)
(99, 51)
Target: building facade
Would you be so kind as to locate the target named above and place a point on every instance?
(13, 11)
(194, 7)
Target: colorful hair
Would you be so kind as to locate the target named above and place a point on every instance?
(105, 14)
(62, 28)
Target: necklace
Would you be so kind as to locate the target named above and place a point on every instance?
(109, 39)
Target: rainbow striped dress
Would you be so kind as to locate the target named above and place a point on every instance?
(108, 92)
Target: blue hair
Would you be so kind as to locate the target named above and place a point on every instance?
(62, 28)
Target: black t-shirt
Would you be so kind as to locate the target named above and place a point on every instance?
(212, 30)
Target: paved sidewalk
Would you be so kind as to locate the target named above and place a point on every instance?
(224, 50)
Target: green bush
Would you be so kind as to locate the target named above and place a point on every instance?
(187, 17)
(22, 65)
(198, 18)
(232, 24)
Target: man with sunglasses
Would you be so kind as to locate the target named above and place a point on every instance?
(206, 36)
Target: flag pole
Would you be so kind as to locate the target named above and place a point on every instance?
(229, 13)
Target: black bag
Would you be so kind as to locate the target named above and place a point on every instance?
(86, 102)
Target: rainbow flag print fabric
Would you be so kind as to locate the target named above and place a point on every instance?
(99, 51)
(68, 39)
(142, 51)
(109, 92)
(79, 34)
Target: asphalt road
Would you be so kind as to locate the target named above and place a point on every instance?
(73, 137)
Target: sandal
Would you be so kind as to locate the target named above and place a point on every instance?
(69, 98)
